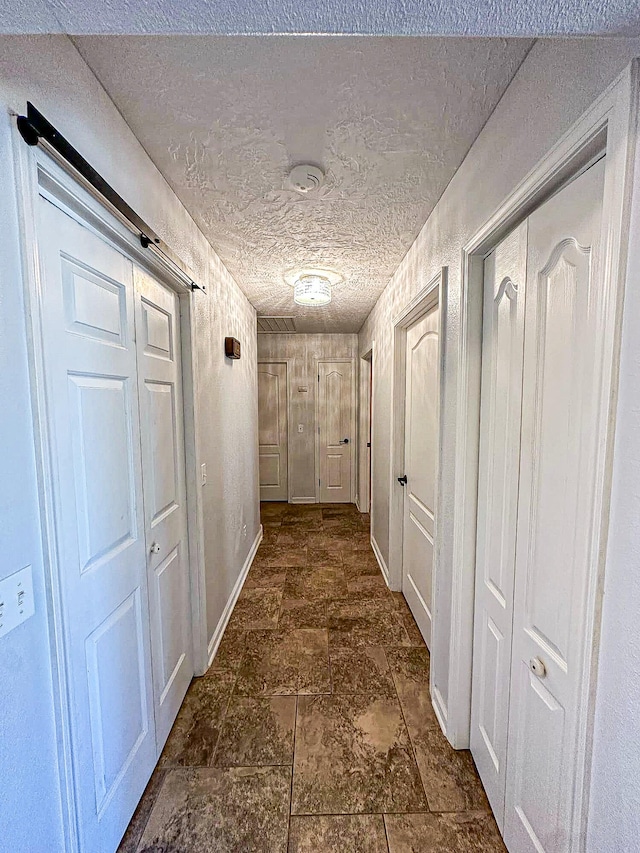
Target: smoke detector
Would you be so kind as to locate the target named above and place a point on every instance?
(305, 179)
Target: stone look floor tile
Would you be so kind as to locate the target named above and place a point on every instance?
(410, 670)
(315, 582)
(323, 666)
(257, 732)
(338, 834)
(256, 609)
(299, 613)
(220, 811)
(266, 577)
(449, 776)
(281, 663)
(353, 755)
(358, 624)
(139, 820)
(194, 735)
(229, 653)
(361, 670)
(467, 832)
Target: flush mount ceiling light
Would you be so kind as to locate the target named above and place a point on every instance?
(312, 290)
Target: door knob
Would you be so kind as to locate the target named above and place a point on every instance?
(155, 548)
(537, 667)
(403, 480)
(345, 441)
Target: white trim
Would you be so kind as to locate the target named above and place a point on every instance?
(353, 425)
(610, 126)
(289, 362)
(432, 294)
(214, 642)
(310, 500)
(38, 174)
(365, 429)
(378, 553)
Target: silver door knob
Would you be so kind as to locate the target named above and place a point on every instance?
(537, 667)
(155, 548)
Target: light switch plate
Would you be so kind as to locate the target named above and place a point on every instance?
(203, 474)
(16, 600)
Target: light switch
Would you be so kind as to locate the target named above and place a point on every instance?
(300, 427)
(16, 600)
(203, 474)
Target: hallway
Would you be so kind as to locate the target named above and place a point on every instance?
(314, 723)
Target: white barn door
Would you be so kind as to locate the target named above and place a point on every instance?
(422, 397)
(91, 377)
(165, 510)
(273, 431)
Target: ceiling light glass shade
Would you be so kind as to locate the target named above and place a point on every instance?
(312, 290)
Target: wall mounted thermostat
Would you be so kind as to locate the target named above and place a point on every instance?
(232, 348)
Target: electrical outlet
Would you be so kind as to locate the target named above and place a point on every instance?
(300, 427)
(203, 474)
(16, 600)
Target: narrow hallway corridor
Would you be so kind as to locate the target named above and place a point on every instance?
(313, 730)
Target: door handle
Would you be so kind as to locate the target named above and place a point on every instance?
(537, 667)
(155, 548)
(345, 441)
(403, 480)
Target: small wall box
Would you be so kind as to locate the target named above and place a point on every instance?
(231, 348)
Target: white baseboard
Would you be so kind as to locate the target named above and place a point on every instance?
(303, 500)
(380, 559)
(214, 642)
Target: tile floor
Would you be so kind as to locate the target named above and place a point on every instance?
(313, 731)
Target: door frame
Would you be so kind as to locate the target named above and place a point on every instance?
(607, 128)
(37, 172)
(288, 362)
(432, 294)
(365, 430)
(352, 427)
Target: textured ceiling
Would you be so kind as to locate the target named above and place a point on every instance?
(389, 120)
(368, 17)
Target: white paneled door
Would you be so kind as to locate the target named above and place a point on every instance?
(273, 431)
(91, 374)
(112, 373)
(422, 366)
(538, 498)
(556, 511)
(335, 418)
(502, 351)
(165, 509)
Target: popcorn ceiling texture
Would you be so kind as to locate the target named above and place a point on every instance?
(381, 17)
(389, 120)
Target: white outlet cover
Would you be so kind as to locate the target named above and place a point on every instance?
(300, 427)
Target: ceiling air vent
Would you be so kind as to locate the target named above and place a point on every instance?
(275, 325)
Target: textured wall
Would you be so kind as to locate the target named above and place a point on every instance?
(388, 17)
(555, 84)
(304, 351)
(228, 434)
(51, 72)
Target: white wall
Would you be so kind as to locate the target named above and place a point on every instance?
(555, 84)
(50, 72)
(614, 812)
(304, 351)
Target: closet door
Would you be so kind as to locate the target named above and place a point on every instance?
(558, 499)
(273, 431)
(163, 468)
(92, 398)
(501, 401)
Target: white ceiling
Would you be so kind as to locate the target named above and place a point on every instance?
(389, 120)
(373, 17)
